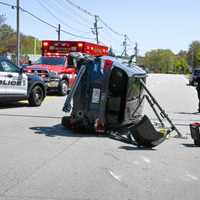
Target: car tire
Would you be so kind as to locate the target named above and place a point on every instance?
(63, 88)
(36, 96)
(197, 142)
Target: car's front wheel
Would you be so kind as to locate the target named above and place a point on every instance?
(63, 88)
(36, 96)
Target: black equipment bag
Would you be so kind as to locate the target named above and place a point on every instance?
(195, 133)
(145, 134)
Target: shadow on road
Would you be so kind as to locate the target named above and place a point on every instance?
(13, 105)
(189, 145)
(59, 130)
(29, 116)
(187, 113)
(134, 148)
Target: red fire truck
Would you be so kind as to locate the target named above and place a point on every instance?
(56, 66)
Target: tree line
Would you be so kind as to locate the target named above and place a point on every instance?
(29, 44)
(165, 61)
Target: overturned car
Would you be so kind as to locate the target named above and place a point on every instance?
(108, 98)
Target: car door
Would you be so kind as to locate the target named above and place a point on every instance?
(16, 83)
(2, 82)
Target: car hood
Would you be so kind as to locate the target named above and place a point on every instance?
(32, 77)
(55, 68)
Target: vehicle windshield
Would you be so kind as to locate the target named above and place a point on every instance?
(60, 61)
(197, 72)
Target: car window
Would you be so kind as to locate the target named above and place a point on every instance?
(197, 72)
(134, 89)
(9, 67)
(1, 68)
(59, 61)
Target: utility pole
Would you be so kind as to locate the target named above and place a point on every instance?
(58, 32)
(136, 51)
(96, 28)
(125, 46)
(192, 58)
(18, 35)
(35, 46)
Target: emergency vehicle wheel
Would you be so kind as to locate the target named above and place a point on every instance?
(63, 88)
(36, 96)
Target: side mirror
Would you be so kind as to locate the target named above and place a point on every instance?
(29, 62)
(21, 70)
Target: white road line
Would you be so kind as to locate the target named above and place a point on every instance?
(194, 178)
(115, 176)
(145, 159)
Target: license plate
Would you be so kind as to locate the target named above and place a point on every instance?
(53, 84)
(96, 95)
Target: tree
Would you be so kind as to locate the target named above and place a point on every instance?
(28, 44)
(159, 60)
(194, 54)
(140, 61)
(180, 64)
(7, 39)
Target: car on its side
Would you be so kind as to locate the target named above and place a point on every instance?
(194, 76)
(15, 85)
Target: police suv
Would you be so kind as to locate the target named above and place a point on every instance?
(16, 85)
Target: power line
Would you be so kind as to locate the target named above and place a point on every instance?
(58, 19)
(126, 39)
(7, 4)
(93, 15)
(74, 13)
(80, 8)
(130, 40)
(55, 27)
(72, 34)
(110, 28)
(39, 19)
(45, 22)
(26, 11)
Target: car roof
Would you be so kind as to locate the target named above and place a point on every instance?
(131, 70)
(3, 58)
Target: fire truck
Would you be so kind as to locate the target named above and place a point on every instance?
(56, 65)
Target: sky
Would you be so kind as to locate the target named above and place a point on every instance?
(163, 24)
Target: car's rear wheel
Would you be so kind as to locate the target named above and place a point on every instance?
(197, 142)
(191, 83)
(63, 88)
(36, 96)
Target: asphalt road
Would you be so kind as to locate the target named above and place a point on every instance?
(40, 160)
